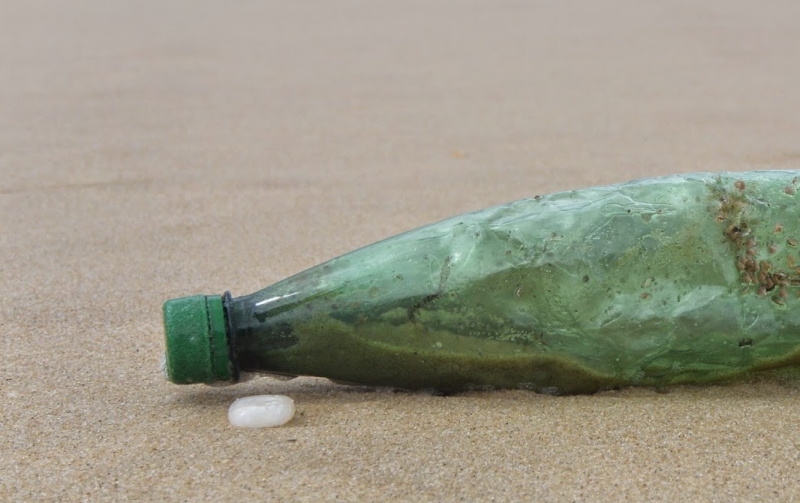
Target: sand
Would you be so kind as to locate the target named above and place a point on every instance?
(150, 150)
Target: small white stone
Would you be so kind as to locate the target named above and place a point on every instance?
(261, 411)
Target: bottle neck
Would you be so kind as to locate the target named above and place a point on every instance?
(230, 332)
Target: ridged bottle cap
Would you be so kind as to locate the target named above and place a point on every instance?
(196, 339)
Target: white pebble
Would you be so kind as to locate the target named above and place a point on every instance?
(261, 411)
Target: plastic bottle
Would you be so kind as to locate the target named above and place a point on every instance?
(681, 279)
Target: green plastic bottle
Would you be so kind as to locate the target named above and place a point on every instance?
(682, 279)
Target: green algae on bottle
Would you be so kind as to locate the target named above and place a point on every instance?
(685, 279)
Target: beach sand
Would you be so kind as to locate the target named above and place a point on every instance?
(151, 150)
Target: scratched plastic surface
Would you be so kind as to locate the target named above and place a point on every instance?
(681, 279)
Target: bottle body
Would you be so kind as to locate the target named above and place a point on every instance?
(683, 279)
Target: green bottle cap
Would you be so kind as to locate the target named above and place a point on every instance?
(197, 341)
